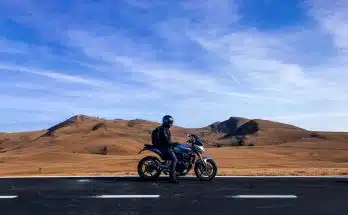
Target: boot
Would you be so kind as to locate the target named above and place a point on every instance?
(173, 178)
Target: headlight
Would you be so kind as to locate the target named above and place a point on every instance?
(200, 149)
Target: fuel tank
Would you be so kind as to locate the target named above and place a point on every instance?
(182, 148)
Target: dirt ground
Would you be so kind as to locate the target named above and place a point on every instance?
(230, 161)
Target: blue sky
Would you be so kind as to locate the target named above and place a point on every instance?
(199, 61)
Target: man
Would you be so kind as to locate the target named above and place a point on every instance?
(162, 140)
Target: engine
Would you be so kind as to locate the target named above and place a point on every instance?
(185, 160)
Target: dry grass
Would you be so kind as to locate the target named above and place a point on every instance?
(231, 161)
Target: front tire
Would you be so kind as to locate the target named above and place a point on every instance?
(150, 165)
(207, 174)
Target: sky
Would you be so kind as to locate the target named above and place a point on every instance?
(200, 61)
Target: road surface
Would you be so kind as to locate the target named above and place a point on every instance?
(131, 196)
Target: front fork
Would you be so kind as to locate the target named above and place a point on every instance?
(203, 161)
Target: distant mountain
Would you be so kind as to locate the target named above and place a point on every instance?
(93, 135)
(255, 132)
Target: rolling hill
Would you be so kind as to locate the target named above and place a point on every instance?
(112, 145)
(85, 134)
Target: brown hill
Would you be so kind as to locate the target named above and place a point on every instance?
(85, 134)
(242, 131)
(81, 142)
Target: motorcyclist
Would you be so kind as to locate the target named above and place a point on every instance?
(165, 144)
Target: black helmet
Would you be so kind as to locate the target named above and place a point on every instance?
(167, 120)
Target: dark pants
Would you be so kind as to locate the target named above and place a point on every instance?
(170, 154)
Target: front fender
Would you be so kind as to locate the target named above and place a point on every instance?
(205, 159)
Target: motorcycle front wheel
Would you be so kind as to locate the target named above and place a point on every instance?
(207, 173)
(148, 167)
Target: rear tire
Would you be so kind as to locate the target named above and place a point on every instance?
(151, 166)
(211, 171)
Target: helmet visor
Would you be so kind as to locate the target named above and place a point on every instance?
(168, 121)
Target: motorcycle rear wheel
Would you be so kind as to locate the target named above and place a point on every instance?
(151, 165)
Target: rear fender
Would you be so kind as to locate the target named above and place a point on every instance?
(156, 151)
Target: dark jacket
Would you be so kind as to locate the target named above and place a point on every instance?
(165, 137)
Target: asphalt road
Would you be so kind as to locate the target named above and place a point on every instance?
(131, 196)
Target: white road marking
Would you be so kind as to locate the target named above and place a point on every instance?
(125, 196)
(134, 176)
(8, 197)
(264, 196)
(83, 180)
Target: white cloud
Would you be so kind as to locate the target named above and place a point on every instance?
(171, 78)
(59, 76)
(332, 16)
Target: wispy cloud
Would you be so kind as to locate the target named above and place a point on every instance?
(59, 76)
(332, 17)
(179, 57)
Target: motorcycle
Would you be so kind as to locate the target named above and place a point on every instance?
(188, 155)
